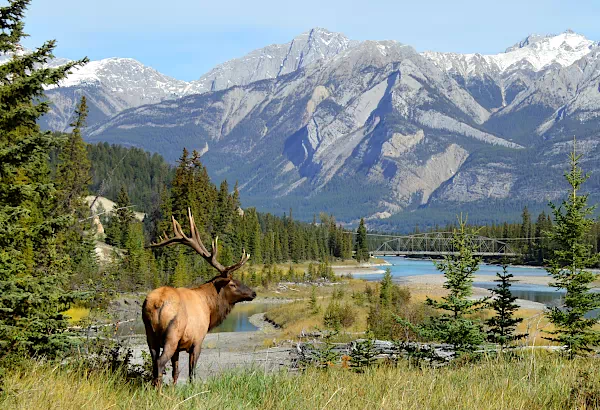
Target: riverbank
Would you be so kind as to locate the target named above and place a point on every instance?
(363, 270)
(375, 267)
(439, 279)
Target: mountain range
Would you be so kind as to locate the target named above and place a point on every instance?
(363, 128)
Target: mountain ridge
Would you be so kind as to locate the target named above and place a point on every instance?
(108, 82)
(376, 125)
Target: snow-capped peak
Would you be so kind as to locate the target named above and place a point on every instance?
(542, 51)
(535, 52)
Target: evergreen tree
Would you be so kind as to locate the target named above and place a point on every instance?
(362, 250)
(34, 272)
(252, 276)
(72, 179)
(455, 327)
(505, 233)
(138, 262)
(202, 197)
(567, 266)
(73, 171)
(385, 292)
(255, 235)
(525, 223)
(382, 316)
(123, 213)
(118, 225)
(503, 323)
(525, 232)
(541, 230)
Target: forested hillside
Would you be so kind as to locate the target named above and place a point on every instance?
(163, 192)
(144, 174)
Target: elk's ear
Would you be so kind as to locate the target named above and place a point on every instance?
(220, 283)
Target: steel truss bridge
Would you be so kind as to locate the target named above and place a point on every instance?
(439, 244)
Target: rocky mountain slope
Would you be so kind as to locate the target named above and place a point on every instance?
(365, 128)
(115, 84)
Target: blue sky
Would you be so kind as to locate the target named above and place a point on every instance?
(185, 38)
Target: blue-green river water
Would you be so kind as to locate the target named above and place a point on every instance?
(403, 267)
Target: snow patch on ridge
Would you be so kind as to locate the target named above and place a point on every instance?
(563, 49)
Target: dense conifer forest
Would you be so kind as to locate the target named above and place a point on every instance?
(130, 176)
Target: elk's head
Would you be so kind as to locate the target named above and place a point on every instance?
(233, 290)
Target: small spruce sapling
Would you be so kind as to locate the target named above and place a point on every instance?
(313, 305)
(503, 323)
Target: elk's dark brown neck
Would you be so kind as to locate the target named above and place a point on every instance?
(219, 306)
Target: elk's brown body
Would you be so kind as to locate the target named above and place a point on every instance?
(178, 319)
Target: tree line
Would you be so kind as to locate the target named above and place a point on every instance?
(218, 213)
(531, 237)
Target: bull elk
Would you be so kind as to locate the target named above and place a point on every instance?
(178, 319)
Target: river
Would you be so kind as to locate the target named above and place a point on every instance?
(404, 267)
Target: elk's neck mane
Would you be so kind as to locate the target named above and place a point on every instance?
(219, 306)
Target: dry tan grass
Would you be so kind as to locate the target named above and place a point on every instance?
(534, 381)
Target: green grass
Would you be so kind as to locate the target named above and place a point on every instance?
(535, 381)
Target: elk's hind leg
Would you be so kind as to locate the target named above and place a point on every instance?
(175, 364)
(169, 349)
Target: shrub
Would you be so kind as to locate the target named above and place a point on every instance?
(338, 293)
(359, 298)
(362, 354)
(337, 315)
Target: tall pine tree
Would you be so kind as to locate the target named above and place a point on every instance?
(72, 180)
(73, 171)
(362, 250)
(118, 227)
(33, 272)
(567, 266)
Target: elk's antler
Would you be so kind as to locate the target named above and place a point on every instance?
(196, 244)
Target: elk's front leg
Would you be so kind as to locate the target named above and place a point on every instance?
(194, 353)
(154, 354)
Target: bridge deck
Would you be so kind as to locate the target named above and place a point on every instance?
(438, 244)
(437, 253)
